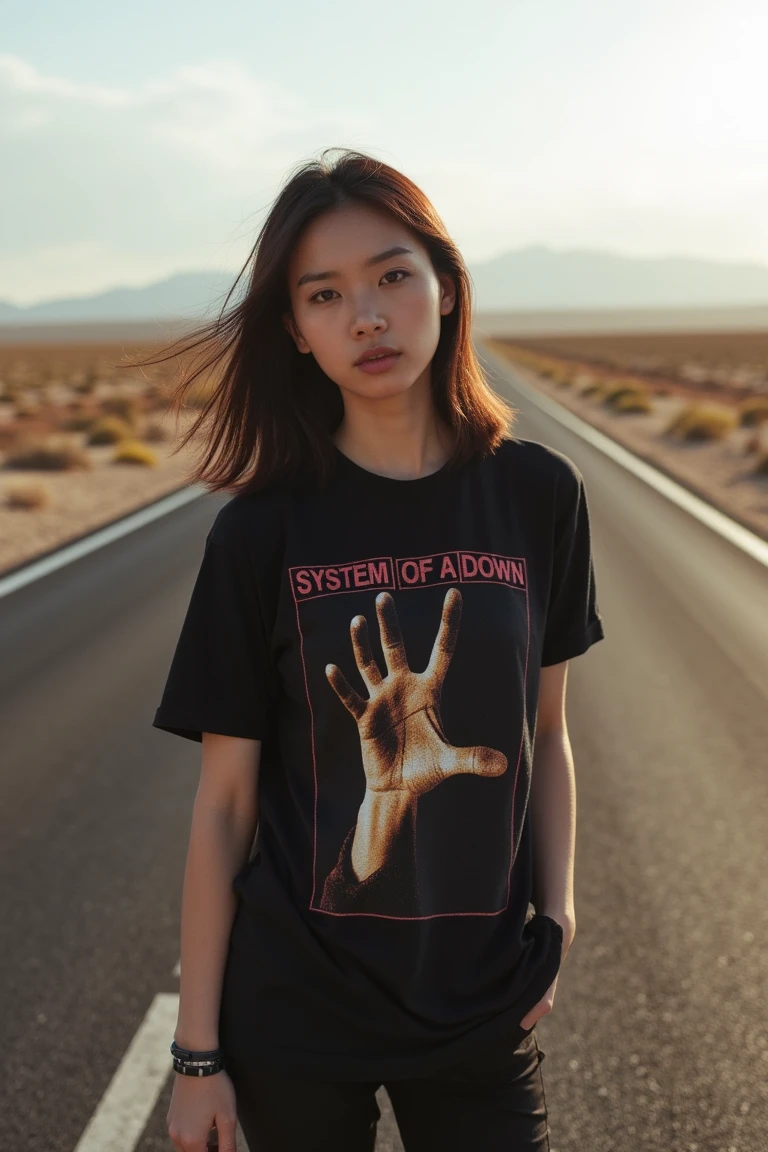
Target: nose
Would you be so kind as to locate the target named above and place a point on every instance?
(367, 319)
(363, 327)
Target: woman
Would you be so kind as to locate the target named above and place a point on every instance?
(375, 646)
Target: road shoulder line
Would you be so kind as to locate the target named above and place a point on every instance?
(36, 569)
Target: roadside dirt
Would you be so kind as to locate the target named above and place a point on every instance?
(81, 501)
(719, 471)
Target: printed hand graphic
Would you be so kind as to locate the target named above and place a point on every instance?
(403, 742)
(404, 748)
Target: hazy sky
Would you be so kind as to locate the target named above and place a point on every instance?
(142, 139)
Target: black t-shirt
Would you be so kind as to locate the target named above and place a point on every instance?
(383, 638)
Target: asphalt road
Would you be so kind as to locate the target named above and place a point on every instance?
(659, 1034)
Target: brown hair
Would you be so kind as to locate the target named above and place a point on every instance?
(272, 411)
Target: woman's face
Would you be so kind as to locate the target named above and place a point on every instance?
(350, 306)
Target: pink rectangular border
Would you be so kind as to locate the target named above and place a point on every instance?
(412, 588)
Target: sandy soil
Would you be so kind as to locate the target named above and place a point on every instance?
(717, 471)
(82, 501)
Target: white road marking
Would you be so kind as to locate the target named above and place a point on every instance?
(123, 1111)
(713, 518)
(177, 969)
(37, 568)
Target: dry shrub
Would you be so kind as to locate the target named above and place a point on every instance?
(155, 431)
(156, 390)
(11, 436)
(614, 389)
(109, 430)
(157, 402)
(134, 452)
(638, 401)
(53, 454)
(753, 411)
(596, 389)
(128, 408)
(27, 494)
(582, 380)
(25, 408)
(626, 395)
(78, 422)
(757, 440)
(562, 373)
(703, 422)
(199, 394)
(85, 381)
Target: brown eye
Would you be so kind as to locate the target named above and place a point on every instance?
(315, 299)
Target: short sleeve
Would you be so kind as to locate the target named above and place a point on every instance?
(219, 678)
(573, 620)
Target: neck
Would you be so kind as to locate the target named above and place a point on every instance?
(406, 455)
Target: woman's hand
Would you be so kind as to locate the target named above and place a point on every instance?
(199, 1103)
(544, 1005)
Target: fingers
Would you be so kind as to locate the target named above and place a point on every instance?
(203, 1114)
(361, 645)
(393, 645)
(226, 1126)
(447, 636)
(221, 1138)
(351, 700)
(391, 636)
(367, 666)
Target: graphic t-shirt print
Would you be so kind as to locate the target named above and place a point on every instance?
(413, 668)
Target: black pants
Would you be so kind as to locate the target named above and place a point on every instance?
(489, 1104)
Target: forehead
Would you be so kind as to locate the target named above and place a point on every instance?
(347, 236)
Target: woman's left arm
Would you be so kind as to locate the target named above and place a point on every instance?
(552, 804)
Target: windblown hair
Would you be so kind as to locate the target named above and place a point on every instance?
(271, 412)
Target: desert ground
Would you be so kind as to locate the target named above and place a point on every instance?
(66, 412)
(718, 381)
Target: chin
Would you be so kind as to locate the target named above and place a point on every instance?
(377, 389)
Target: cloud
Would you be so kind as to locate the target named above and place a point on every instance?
(217, 112)
(160, 173)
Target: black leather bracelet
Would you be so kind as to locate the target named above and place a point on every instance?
(190, 1063)
(197, 1070)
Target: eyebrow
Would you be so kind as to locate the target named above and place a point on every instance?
(398, 250)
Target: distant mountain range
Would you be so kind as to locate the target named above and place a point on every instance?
(536, 277)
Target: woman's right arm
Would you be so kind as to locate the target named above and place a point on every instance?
(224, 821)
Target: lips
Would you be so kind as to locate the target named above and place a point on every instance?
(378, 353)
